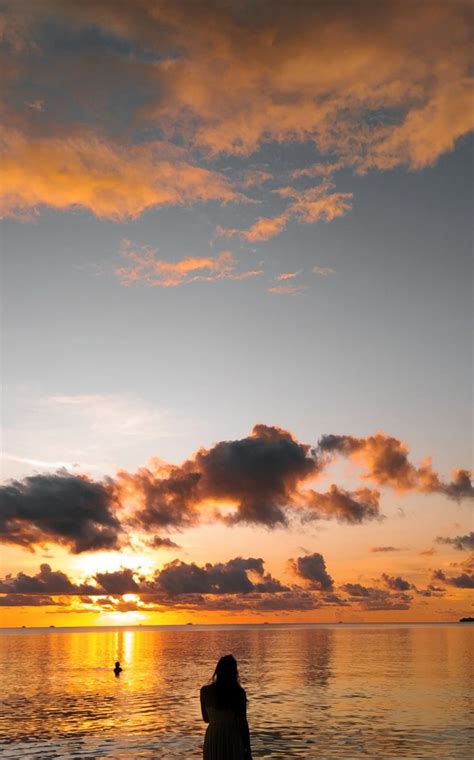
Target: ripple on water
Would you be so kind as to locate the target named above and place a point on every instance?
(313, 692)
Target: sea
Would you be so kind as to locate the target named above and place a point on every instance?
(314, 691)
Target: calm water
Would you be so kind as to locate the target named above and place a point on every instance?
(314, 692)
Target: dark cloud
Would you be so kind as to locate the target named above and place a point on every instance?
(462, 581)
(461, 486)
(270, 585)
(55, 582)
(47, 581)
(115, 604)
(312, 568)
(261, 477)
(231, 577)
(25, 600)
(181, 578)
(387, 463)
(288, 601)
(259, 474)
(459, 542)
(291, 600)
(396, 583)
(430, 590)
(167, 495)
(459, 581)
(377, 549)
(356, 589)
(375, 599)
(61, 508)
(345, 506)
(335, 599)
(118, 582)
(162, 543)
(176, 579)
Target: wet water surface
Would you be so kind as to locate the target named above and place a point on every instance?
(314, 692)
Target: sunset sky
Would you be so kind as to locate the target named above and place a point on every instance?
(237, 286)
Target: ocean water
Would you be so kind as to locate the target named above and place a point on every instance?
(375, 691)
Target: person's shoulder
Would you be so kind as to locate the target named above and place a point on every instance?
(207, 689)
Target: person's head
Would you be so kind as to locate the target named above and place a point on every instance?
(228, 692)
(227, 689)
(226, 671)
(117, 664)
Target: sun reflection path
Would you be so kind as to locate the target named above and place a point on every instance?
(124, 645)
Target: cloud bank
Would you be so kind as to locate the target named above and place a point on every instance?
(265, 479)
(356, 80)
(236, 585)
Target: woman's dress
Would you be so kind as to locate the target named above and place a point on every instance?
(223, 739)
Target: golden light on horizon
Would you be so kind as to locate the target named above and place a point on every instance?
(88, 565)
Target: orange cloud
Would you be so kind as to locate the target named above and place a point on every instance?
(255, 178)
(110, 180)
(146, 269)
(370, 85)
(387, 462)
(263, 229)
(427, 132)
(319, 71)
(288, 287)
(352, 507)
(308, 206)
(287, 290)
(286, 276)
(318, 170)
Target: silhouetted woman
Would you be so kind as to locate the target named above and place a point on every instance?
(117, 669)
(224, 707)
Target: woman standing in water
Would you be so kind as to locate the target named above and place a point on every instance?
(224, 708)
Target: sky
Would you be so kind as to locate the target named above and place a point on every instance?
(237, 311)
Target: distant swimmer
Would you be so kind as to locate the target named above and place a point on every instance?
(117, 669)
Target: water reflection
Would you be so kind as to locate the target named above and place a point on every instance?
(313, 692)
(316, 654)
(125, 641)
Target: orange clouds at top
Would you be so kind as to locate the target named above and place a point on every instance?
(285, 71)
(110, 180)
(375, 85)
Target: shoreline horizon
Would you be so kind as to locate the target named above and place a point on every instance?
(187, 626)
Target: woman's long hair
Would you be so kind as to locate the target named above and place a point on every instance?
(229, 692)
